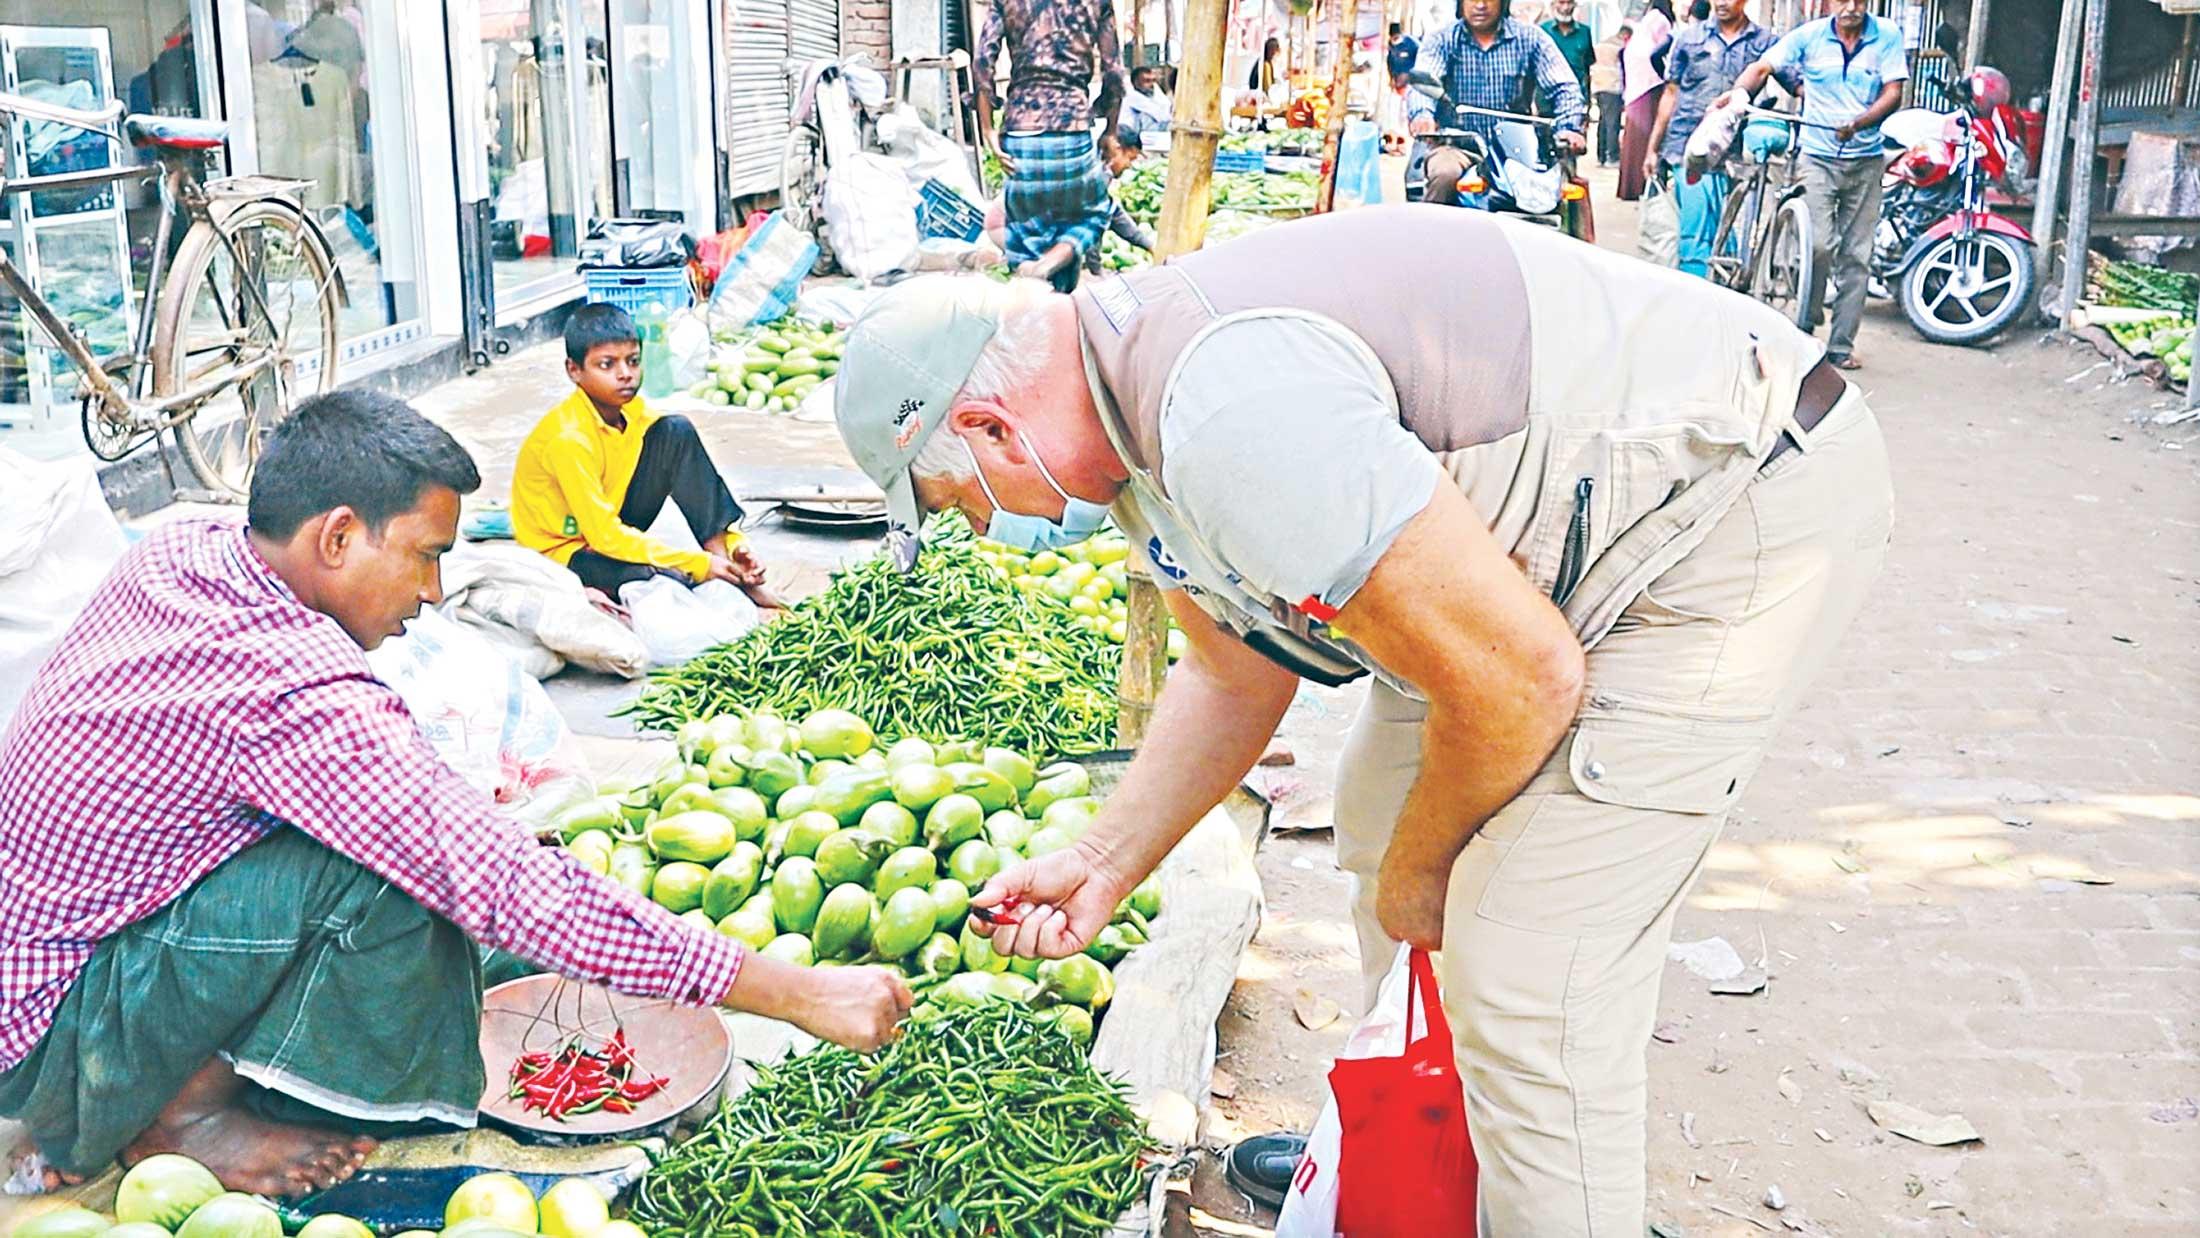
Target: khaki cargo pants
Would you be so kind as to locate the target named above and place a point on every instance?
(1560, 908)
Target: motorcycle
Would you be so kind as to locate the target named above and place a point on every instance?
(1519, 170)
(1962, 273)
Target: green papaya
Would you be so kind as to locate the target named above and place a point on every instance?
(601, 813)
(909, 866)
(843, 924)
(849, 794)
(700, 836)
(796, 894)
(904, 924)
(890, 821)
(953, 821)
(950, 905)
(846, 856)
(732, 880)
(992, 791)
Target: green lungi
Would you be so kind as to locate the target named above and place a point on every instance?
(346, 1002)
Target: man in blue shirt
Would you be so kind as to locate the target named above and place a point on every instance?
(1490, 60)
(1852, 68)
(1705, 60)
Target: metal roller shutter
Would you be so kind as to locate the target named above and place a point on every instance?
(816, 29)
(758, 93)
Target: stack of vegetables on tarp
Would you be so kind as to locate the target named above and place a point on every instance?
(769, 369)
(170, 1195)
(2146, 311)
(974, 1122)
(1091, 578)
(817, 846)
(947, 651)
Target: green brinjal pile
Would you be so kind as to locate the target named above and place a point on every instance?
(951, 649)
(975, 1122)
(815, 846)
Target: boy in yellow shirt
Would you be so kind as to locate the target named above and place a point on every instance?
(595, 472)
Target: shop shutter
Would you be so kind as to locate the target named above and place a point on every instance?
(759, 93)
(816, 29)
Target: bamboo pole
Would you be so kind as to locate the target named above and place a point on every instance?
(1340, 96)
(1974, 35)
(2084, 151)
(1195, 130)
(2053, 151)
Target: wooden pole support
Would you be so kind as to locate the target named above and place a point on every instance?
(1195, 131)
(2054, 151)
(1340, 96)
(2084, 152)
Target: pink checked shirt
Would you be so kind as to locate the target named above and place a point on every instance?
(194, 706)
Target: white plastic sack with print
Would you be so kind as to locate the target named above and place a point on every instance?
(1310, 1204)
(57, 540)
(485, 716)
(676, 622)
(871, 216)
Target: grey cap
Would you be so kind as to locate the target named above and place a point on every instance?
(904, 359)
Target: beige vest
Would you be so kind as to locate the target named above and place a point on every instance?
(1601, 413)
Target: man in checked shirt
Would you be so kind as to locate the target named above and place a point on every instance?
(240, 896)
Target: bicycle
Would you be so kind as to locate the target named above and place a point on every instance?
(1762, 246)
(222, 312)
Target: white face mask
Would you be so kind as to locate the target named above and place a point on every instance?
(1081, 518)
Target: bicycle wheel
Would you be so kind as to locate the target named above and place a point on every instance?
(271, 288)
(1730, 263)
(1783, 274)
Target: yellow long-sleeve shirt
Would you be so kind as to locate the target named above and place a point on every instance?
(570, 481)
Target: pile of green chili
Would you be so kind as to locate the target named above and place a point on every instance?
(977, 1121)
(948, 650)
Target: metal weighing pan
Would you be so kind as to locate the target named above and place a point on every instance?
(687, 1044)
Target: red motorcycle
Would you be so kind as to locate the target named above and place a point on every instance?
(1961, 272)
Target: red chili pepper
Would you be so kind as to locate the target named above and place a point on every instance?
(1002, 915)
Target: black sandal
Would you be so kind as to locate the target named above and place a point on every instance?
(1262, 1166)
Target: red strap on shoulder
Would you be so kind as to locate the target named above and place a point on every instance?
(1317, 609)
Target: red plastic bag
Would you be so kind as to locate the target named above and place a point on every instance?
(1405, 1165)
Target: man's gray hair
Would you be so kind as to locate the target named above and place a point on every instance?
(1013, 361)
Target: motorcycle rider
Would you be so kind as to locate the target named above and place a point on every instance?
(1489, 59)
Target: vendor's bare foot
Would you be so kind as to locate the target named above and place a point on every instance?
(55, 1179)
(205, 1123)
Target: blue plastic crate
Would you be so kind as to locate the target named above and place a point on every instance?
(942, 212)
(631, 288)
(1240, 161)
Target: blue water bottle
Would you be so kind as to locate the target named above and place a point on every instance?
(656, 356)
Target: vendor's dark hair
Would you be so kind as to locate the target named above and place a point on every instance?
(1128, 138)
(1700, 11)
(594, 325)
(1663, 6)
(358, 449)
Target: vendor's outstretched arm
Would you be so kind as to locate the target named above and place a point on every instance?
(1223, 703)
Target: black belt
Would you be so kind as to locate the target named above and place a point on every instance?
(1823, 388)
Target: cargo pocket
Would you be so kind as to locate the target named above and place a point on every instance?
(1646, 792)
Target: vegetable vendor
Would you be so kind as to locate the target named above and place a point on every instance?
(1057, 197)
(595, 472)
(240, 895)
(1586, 597)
